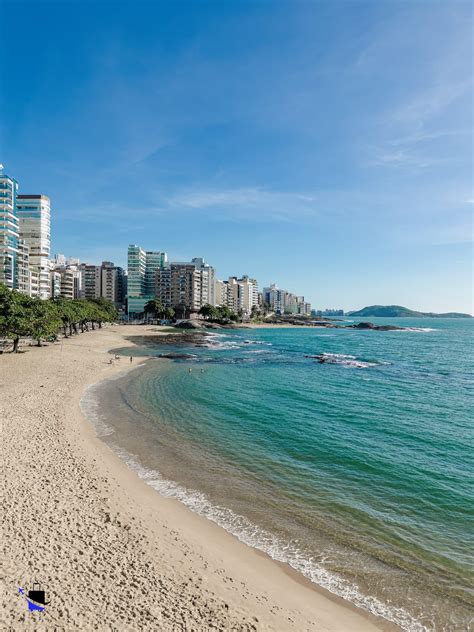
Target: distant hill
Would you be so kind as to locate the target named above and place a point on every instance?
(396, 311)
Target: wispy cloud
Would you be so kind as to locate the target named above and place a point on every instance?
(421, 108)
(253, 203)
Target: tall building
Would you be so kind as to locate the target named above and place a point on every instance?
(179, 285)
(112, 283)
(66, 277)
(55, 283)
(34, 215)
(240, 295)
(9, 234)
(208, 281)
(142, 266)
(70, 282)
(90, 281)
(185, 286)
(283, 302)
(23, 273)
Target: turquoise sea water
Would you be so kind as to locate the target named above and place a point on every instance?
(357, 472)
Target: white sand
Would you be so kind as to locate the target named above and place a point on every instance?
(111, 553)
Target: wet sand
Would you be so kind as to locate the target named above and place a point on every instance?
(111, 553)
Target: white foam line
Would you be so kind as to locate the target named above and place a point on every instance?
(288, 553)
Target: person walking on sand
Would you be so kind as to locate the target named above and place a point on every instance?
(131, 359)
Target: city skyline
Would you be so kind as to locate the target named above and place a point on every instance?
(312, 153)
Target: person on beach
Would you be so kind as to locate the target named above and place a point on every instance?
(131, 359)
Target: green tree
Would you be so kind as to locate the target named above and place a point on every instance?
(254, 312)
(67, 314)
(169, 313)
(108, 312)
(14, 315)
(44, 319)
(209, 312)
(155, 306)
(21, 315)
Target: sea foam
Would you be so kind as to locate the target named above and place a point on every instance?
(261, 539)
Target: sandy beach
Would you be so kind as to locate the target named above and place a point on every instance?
(111, 553)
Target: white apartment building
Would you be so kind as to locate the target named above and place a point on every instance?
(8, 231)
(208, 281)
(34, 215)
(23, 272)
(237, 294)
(284, 302)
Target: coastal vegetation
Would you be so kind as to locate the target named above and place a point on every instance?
(39, 320)
(158, 310)
(220, 315)
(397, 311)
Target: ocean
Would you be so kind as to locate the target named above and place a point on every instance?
(355, 471)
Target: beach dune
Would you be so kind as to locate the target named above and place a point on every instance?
(110, 552)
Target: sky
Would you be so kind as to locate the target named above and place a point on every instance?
(325, 146)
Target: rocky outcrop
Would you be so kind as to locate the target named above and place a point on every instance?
(177, 356)
(375, 327)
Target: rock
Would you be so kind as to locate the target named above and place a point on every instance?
(321, 358)
(177, 356)
(375, 327)
(189, 324)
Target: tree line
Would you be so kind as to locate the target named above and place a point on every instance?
(221, 314)
(24, 317)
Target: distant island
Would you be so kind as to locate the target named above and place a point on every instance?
(396, 311)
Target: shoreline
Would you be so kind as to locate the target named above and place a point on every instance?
(79, 520)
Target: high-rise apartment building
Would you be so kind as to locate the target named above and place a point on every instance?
(208, 281)
(240, 295)
(112, 283)
(185, 286)
(34, 215)
(70, 281)
(8, 231)
(23, 272)
(143, 266)
(283, 302)
(90, 282)
(179, 285)
(55, 283)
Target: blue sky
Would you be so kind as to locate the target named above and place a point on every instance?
(321, 145)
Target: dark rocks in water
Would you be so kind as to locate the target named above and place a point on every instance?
(177, 356)
(375, 327)
(321, 358)
(189, 324)
(203, 324)
(185, 338)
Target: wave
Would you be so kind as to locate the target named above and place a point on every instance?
(347, 361)
(90, 407)
(420, 329)
(257, 342)
(286, 552)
